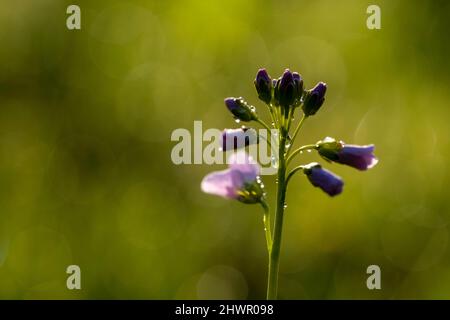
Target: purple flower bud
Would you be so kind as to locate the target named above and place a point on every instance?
(314, 99)
(240, 181)
(274, 83)
(324, 179)
(285, 90)
(238, 138)
(298, 81)
(359, 157)
(296, 76)
(240, 109)
(263, 85)
(288, 89)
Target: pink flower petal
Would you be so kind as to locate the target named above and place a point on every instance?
(243, 163)
(220, 183)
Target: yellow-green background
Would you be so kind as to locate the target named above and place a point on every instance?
(86, 176)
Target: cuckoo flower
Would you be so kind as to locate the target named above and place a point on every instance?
(284, 97)
(324, 179)
(238, 138)
(240, 109)
(359, 157)
(240, 181)
(314, 99)
(298, 86)
(285, 90)
(263, 85)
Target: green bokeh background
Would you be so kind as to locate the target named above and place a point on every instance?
(86, 176)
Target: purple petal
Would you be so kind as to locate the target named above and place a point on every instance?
(359, 157)
(231, 104)
(243, 163)
(227, 183)
(221, 183)
(286, 78)
(319, 90)
(263, 76)
(326, 180)
(238, 138)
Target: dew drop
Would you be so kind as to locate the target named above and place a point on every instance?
(237, 120)
(309, 150)
(274, 162)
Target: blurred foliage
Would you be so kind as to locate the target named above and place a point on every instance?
(85, 170)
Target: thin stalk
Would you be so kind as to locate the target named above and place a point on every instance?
(280, 117)
(300, 124)
(292, 172)
(263, 124)
(267, 229)
(291, 114)
(267, 139)
(269, 132)
(296, 151)
(273, 115)
(274, 256)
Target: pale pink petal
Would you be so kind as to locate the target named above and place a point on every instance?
(221, 183)
(244, 163)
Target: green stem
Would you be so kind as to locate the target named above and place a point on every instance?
(263, 124)
(267, 139)
(274, 255)
(267, 229)
(280, 117)
(300, 124)
(296, 151)
(269, 132)
(293, 171)
(291, 114)
(273, 115)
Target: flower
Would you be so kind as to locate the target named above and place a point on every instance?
(314, 99)
(298, 81)
(324, 179)
(238, 138)
(263, 85)
(240, 181)
(288, 89)
(240, 109)
(285, 89)
(359, 157)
